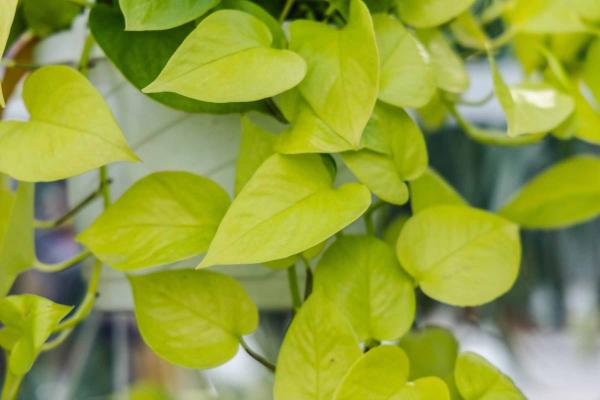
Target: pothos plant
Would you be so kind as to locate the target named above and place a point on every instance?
(346, 81)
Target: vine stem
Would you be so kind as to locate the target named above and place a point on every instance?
(286, 10)
(43, 267)
(294, 290)
(262, 360)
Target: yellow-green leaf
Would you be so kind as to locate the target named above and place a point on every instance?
(287, 206)
(430, 13)
(192, 318)
(7, 13)
(17, 250)
(318, 349)
(382, 374)
(148, 15)
(256, 145)
(362, 277)
(591, 66)
(460, 255)
(477, 379)
(406, 78)
(430, 189)
(71, 129)
(334, 102)
(565, 194)
(545, 16)
(228, 58)
(163, 218)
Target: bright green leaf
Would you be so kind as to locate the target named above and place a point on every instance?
(318, 349)
(430, 13)
(7, 14)
(430, 189)
(149, 15)
(392, 231)
(545, 16)
(228, 58)
(192, 318)
(477, 379)
(256, 145)
(71, 129)
(17, 250)
(382, 373)
(361, 275)
(34, 318)
(331, 107)
(279, 39)
(46, 16)
(565, 194)
(163, 218)
(468, 31)
(406, 78)
(286, 207)
(460, 255)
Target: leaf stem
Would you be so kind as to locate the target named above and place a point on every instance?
(308, 287)
(294, 290)
(262, 360)
(286, 10)
(10, 389)
(85, 54)
(43, 267)
(104, 186)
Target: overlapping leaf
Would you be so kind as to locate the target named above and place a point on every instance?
(7, 14)
(148, 15)
(430, 13)
(430, 189)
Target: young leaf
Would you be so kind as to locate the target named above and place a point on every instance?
(460, 255)
(192, 318)
(565, 194)
(286, 207)
(7, 14)
(256, 145)
(430, 189)
(71, 129)
(228, 58)
(318, 349)
(335, 100)
(32, 320)
(477, 379)
(17, 250)
(149, 15)
(430, 13)
(382, 374)
(362, 277)
(163, 218)
(531, 107)
(406, 78)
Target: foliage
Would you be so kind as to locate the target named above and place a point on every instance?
(345, 81)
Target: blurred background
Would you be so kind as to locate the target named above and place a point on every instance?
(544, 333)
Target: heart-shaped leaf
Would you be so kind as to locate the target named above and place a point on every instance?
(7, 14)
(71, 129)
(228, 57)
(149, 15)
(192, 318)
(430, 13)
(318, 349)
(565, 194)
(286, 207)
(460, 255)
(382, 374)
(335, 100)
(406, 78)
(477, 379)
(17, 250)
(362, 277)
(163, 218)
(430, 189)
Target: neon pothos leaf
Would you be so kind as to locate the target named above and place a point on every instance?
(148, 15)
(406, 78)
(394, 152)
(565, 194)
(71, 129)
(361, 275)
(228, 57)
(17, 251)
(477, 379)
(430, 189)
(332, 105)
(192, 318)
(382, 374)
(545, 16)
(430, 13)
(29, 320)
(7, 14)
(460, 255)
(163, 218)
(318, 349)
(286, 207)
